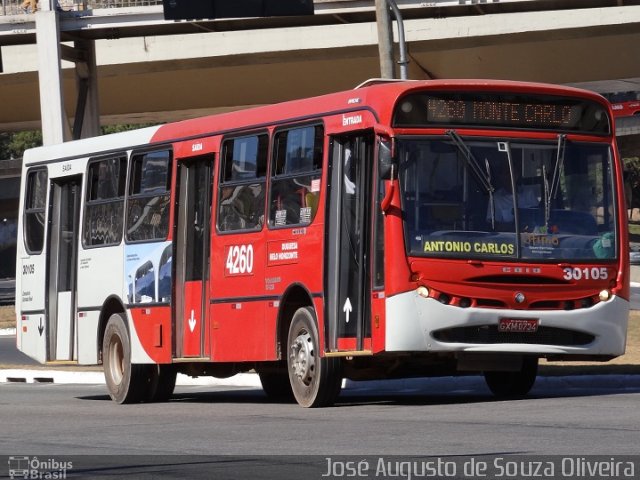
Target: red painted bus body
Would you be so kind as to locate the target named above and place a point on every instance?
(626, 109)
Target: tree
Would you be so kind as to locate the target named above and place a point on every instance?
(632, 181)
(13, 144)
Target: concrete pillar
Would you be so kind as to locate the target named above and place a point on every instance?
(385, 39)
(87, 121)
(55, 125)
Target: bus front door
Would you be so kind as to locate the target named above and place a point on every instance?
(61, 277)
(347, 269)
(193, 231)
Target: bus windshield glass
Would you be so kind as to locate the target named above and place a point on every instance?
(458, 200)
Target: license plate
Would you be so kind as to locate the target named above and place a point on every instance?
(518, 325)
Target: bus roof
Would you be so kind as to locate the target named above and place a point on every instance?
(376, 96)
(379, 97)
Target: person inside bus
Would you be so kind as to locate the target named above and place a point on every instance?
(500, 208)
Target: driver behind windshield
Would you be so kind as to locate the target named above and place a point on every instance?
(501, 202)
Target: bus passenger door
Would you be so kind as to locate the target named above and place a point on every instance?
(61, 277)
(347, 269)
(193, 231)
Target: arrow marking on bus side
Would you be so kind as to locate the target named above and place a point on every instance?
(347, 308)
(192, 321)
(40, 327)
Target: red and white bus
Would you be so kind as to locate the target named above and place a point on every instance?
(365, 234)
(624, 104)
(626, 109)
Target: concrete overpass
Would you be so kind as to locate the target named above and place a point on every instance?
(152, 70)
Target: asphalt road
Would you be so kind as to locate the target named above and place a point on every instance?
(9, 355)
(458, 421)
(446, 418)
(455, 418)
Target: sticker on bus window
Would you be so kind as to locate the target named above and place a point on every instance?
(305, 215)
(315, 185)
(281, 217)
(482, 247)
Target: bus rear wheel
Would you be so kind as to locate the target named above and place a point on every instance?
(513, 384)
(315, 380)
(126, 382)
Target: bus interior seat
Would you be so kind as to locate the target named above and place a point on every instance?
(311, 201)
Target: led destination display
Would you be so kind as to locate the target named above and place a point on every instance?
(540, 112)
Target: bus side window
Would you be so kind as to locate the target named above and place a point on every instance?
(103, 218)
(295, 181)
(242, 183)
(149, 197)
(34, 210)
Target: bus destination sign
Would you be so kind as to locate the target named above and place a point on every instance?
(540, 112)
(500, 112)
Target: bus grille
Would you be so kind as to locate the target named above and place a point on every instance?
(488, 334)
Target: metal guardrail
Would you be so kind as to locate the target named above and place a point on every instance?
(15, 7)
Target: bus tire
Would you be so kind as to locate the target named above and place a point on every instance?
(315, 380)
(163, 382)
(513, 384)
(276, 385)
(126, 382)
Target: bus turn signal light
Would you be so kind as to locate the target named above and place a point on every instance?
(604, 295)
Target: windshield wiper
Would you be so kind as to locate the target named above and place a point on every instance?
(551, 190)
(472, 161)
(484, 178)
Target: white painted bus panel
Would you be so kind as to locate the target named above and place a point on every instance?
(32, 335)
(30, 299)
(411, 320)
(88, 338)
(99, 276)
(65, 329)
(100, 271)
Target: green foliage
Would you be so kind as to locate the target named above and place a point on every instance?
(632, 166)
(13, 144)
(632, 180)
(107, 129)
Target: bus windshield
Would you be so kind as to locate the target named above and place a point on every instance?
(458, 200)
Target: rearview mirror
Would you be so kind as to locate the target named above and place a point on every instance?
(386, 162)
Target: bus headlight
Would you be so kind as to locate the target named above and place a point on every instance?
(604, 295)
(423, 291)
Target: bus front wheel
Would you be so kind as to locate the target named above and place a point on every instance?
(126, 382)
(315, 379)
(276, 385)
(513, 384)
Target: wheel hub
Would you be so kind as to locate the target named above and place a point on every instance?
(303, 358)
(116, 360)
